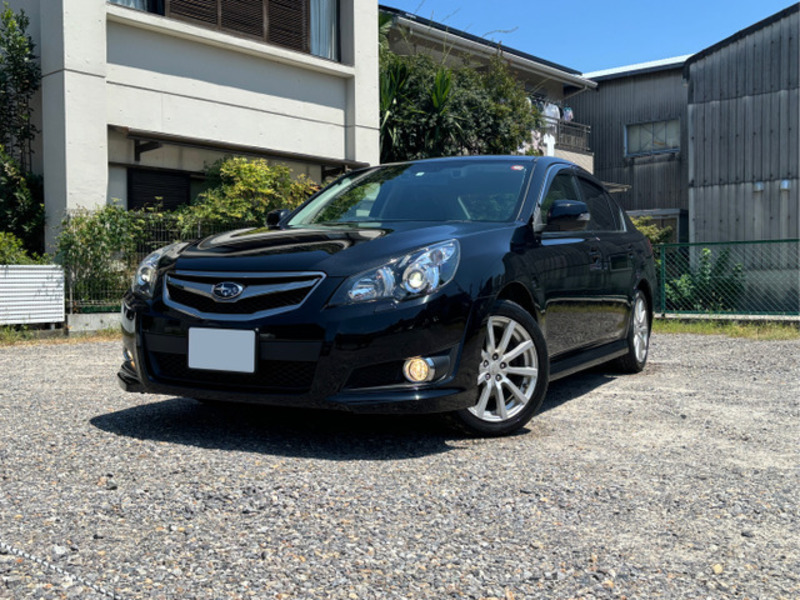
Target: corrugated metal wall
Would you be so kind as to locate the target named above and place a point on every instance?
(657, 181)
(744, 108)
(31, 294)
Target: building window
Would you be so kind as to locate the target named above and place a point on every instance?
(157, 189)
(154, 6)
(310, 26)
(653, 137)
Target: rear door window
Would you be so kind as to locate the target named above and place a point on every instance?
(602, 216)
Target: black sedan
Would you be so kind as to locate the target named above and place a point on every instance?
(457, 285)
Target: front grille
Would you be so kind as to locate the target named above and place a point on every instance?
(264, 294)
(270, 375)
(248, 306)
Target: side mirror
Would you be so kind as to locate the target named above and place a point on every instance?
(567, 215)
(274, 217)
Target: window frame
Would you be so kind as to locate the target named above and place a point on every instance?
(670, 150)
(303, 33)
(591, 203)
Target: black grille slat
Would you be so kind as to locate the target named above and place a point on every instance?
(272, 375)
(377, 375)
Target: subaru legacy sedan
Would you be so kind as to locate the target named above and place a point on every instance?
(456, 285)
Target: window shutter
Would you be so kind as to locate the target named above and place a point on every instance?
(154, 188)
(197, 10)
(244, 16)
(288, 23)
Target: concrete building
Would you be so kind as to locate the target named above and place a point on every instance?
(640, 138)
(744, 124)
(707, 143)
(549, 84)
(138, 95)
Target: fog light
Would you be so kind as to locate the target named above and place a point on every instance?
(419, 370)
(128, 357)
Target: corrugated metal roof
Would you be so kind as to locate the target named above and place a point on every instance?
(741, 34)
(639, 69)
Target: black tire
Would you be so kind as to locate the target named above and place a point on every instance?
(520, 381)
(638, 337)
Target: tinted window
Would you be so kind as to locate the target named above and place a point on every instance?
(440, 191)
(616, 211)
(602, 218)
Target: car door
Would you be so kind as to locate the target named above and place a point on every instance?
(570, 270)
(607, 227)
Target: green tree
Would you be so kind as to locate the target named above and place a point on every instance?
(20, 76)
(428, 109)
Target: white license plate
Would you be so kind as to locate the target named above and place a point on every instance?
(222, 350)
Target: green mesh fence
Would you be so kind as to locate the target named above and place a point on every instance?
(98, 284)
(745, 278)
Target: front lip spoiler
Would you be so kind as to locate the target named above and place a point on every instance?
(128, 381)
(419, 401)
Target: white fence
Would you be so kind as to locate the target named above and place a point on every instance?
(31, 294)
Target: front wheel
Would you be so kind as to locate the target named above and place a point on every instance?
(512, 374)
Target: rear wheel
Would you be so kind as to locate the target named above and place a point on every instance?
(638, 337)
(512, 374)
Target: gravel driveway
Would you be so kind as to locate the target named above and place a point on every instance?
(679, 482)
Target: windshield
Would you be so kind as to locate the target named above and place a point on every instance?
(436, 191)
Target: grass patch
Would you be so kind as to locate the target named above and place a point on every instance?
(22, 335)
(752, 331)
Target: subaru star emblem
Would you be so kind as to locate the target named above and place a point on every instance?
(227, 290)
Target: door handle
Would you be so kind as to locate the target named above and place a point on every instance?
(595, 259)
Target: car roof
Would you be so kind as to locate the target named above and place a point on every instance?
(541, 161)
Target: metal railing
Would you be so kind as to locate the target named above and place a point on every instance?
(735, 278)
(569, 135)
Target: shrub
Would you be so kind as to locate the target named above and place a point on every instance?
(657, 235)
(99, 251)
(12, 251)
(712, 286)
(244, 190)
(21, 205)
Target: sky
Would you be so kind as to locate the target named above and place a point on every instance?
(593, 35)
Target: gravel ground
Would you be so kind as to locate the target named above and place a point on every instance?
(679, 482)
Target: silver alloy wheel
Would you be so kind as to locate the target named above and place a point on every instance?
(508, 371)
(641, 329)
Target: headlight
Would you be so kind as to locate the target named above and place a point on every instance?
(417, 274)
(144, 281)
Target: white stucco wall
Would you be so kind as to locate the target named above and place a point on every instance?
(175, 80)
(108, 69)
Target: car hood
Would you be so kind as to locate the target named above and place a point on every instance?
(337, 251)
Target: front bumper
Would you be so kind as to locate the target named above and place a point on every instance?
(347, 357)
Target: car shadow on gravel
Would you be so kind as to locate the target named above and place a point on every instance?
(576, 385)
(311, 433)
(282, 431)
